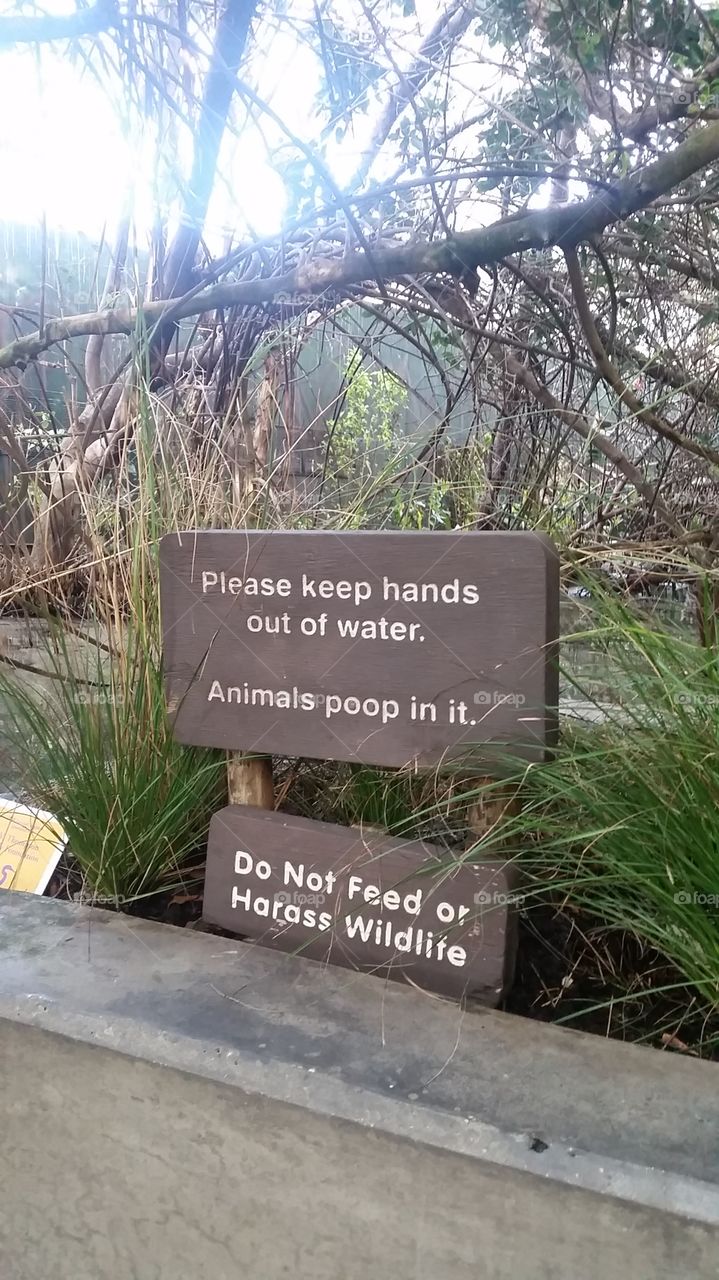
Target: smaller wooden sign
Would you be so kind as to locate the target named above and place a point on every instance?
(395, 908)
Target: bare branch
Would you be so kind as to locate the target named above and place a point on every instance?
(614, 379)
(455, 255)
(577, 422)
(446, 31)
(103, 16)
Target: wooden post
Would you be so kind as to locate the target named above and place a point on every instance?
(484, 813)
(249, 780)
(488, 809)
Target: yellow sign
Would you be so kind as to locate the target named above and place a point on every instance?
(31, 842)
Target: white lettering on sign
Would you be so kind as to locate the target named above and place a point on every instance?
(430, 592)
(313, 880)
(225, 584)
(331, 704)
(312, 588)
(355, 590)
(278, 909)
(418, 940)
(398, 909)
(421, 942)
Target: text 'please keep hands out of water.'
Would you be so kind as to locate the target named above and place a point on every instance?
(314, 590)
(310, 591)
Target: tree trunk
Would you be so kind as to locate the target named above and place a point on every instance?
(59, 522)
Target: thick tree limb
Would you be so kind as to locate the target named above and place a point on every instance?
(666, 107)
(695, 267)
(102, 16)
(564, 225)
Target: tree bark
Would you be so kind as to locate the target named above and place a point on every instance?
(249, 780)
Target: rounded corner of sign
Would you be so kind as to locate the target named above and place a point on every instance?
(219, 816)
(176, 539)
(549, 549)
(173, 538)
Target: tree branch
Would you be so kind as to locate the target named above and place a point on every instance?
(448, 28)
(456, 255)
(103, 16)
(227, 53)
(666, 105)
(598, 439)
(614, 379)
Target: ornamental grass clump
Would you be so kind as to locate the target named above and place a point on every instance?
(90, 740)
(93, 747)
(623, 824)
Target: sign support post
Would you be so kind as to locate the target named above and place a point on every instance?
(249, 780)
(492, 803)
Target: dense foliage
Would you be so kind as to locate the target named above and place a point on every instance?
(527, 199)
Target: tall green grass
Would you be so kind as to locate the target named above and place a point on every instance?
(91, 743)
(623, 824)
(95, 750)
(619, 831)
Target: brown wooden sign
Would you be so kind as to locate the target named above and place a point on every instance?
(354, 898)
(387, 648)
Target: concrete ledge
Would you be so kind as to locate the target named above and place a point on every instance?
(235, 1095)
